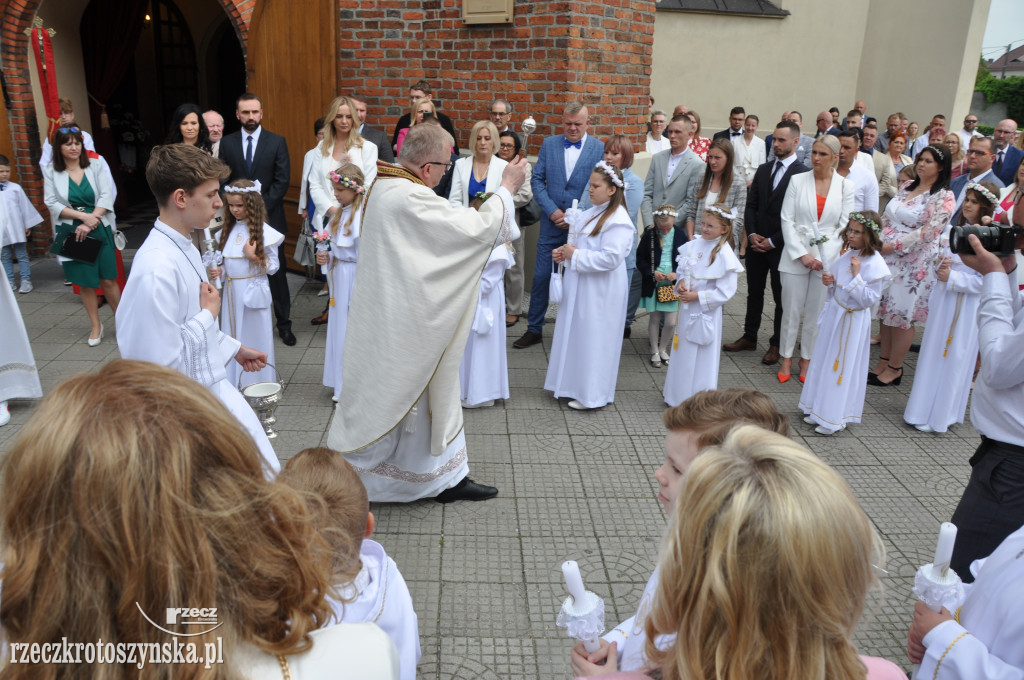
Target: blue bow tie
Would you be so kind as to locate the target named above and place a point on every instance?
(578, 145)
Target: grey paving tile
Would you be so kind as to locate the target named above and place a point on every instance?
(546, 481)
(530, 448)
(487, 658)
(421, 517)
(482, 559)
(418, 556)
(539, 422)
(426, 597)
(488, 448)
(617, 481)
(483, 610)
(543, 558)
(494, 518)
(485, 421)
(554, 517)
(611, 450)
(626, 517)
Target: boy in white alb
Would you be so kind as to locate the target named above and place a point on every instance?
(702, 420)
(368, 582)
(168, 310)
(17, 217)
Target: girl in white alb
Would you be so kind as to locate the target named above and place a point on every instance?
(339, 264)
(483, 372)
(707, 273)
(584, 361)
(949, 347)
(250, 248)
(833, 394)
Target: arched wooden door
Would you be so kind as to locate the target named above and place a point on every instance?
(291, 63)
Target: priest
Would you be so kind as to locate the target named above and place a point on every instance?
(399, 417)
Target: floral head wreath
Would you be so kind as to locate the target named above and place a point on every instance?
(243, 190)
(866, 221)
(348, 183)
(983, 191)
(731, 215)
(610, 171)
(666, 213)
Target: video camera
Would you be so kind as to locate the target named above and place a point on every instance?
(995, 238)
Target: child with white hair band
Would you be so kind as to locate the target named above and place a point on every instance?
(707, 273)
(656, 263)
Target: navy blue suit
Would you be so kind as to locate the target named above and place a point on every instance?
(554, 192)
(1011, 161)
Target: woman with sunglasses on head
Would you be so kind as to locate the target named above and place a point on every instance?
(80, 197)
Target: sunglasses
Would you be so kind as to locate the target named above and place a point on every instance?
(66, 130)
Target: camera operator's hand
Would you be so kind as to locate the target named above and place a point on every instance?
(985, 262)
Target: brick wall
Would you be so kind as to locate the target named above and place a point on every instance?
(553, 52)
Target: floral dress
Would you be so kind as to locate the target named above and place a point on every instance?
(700, 146)
(913, 226)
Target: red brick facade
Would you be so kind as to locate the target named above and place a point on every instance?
(599, 51)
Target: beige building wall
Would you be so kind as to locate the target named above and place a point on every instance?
(64, 16)
(823, 54)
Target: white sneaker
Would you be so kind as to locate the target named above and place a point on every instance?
(824, 430)
(322, 292)
(483, 404)
(26, 286)
(334, 398)
(810, 421)
(5, 414)
(664, 355)
(578, 406)
(656, 360)
(924, 428)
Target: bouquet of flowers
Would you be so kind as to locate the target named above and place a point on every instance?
(323, 245)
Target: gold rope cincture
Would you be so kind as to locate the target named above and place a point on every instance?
(952, 324)
(844, 345)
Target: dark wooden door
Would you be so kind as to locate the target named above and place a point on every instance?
(291, 63)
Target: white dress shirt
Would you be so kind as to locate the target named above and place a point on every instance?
(786, 162)
(255, 140)
(865, 195)
(673, 162)
(572, 154)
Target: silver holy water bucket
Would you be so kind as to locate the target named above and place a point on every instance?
(264, 397)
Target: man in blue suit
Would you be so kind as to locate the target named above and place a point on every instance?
(1007, 156)
(562, 172)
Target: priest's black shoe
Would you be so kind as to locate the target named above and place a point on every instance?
(528, 338)
(288, 338)
(466, 490)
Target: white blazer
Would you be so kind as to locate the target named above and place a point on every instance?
(800, 213)
(320, 184)
(56, 185)
(459, 194)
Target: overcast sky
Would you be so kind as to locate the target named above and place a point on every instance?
(1005, 25)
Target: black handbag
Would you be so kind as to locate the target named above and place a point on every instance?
(529, 213)
(86, 250)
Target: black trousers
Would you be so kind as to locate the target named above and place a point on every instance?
(759, 267)
(992, 506)
(279, 293)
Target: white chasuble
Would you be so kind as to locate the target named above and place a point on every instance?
(19, 378)
(412, 307)
(159, 320)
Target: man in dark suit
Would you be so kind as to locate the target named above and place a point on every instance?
(762, 220)
(256, 154)
(562, 172)
(1007, 156)
(825, 126)
(735, 129)
(421, 90)
(372, 134)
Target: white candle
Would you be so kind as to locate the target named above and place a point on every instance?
(207, 235)
(574, 581)
(944, 549)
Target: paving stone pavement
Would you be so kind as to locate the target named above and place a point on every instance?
(485, 577)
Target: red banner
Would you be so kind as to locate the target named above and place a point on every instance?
(42, 50)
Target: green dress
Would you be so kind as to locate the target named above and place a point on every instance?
(667, 266)
(85, 274)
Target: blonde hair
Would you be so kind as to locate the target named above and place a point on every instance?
(475, 132)
(766, 567)
(725, 237)
(353, 172)
(255, 216)
(354, 138)
(712, 413)
(150, 495)
(342, 516)
(416, 105)
(830, 142)
(657, 233)
(960, 153)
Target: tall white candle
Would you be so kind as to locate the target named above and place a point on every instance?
(944, 549)
(207, 235)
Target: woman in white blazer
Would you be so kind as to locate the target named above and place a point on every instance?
(823, 199)
(80, 198)
(481, 172)
(342, 144)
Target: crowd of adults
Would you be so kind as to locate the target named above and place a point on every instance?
(215, 530)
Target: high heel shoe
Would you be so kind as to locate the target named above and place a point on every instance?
(873, 379)
(93, 342)
(783, 377)
(872, 374)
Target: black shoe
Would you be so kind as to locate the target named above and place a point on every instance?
(916, 347)
(467, 490)
(873, 379)
(288, 338)
(626, 332)
(529, 338)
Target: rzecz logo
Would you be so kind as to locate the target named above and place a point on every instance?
(187, 616)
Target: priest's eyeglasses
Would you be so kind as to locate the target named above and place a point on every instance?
(446, 165)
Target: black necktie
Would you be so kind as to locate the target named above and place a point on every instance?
(778, 166)
(999, 163)
(248, 156)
